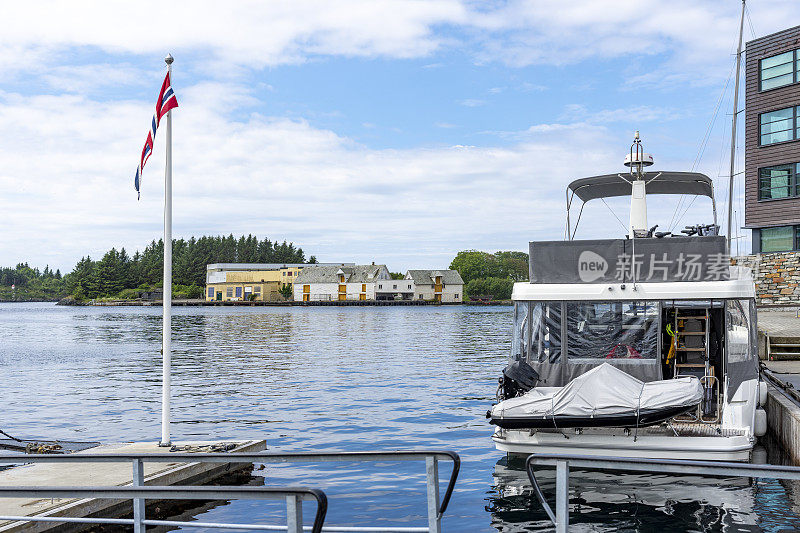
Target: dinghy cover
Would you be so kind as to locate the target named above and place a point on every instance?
(603, 392)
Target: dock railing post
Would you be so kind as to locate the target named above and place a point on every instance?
(562, 496)
(294, 513)
(138, 503)
(432, 482)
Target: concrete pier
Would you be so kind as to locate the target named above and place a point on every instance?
(109, 474)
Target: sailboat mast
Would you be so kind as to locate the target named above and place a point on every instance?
(733, 128)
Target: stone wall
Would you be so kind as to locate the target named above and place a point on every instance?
(777, 276)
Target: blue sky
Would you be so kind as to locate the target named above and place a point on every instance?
(387, 131)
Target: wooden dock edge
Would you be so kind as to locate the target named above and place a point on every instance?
(181, 474)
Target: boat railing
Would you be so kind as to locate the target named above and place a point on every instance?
(294, 496)
(563, 463)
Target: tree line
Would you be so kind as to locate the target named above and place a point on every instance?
(119, 274)
(490, 275)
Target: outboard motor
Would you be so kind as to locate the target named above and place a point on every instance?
(518, 378)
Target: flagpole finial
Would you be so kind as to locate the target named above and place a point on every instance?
(169, 59)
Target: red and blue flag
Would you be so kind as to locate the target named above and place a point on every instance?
(166, 101)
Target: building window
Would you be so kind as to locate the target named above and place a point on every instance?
(238, 292)
(211, 292)
(778, 70)
(778, 126)
(257, 289)
(779, 181)
(409, 286)
(394, 287)
(420, 297)
(456, 297)
(780, 239)
(289, 274)
(229, 292)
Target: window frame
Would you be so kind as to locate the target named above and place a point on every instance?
(793, 184)
(793, 128)
(794, 70)
(795, 229)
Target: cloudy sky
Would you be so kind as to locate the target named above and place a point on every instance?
(392, 131)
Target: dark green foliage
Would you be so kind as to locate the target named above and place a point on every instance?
(397, 275)
(496, 288)
(473, 264)
(118, 274)
(486, 274)
(287, 291)
(30, 283)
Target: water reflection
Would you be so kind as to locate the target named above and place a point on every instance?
(602, 500)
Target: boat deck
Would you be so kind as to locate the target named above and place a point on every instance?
(676, 429)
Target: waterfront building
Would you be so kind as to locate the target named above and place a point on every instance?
(772, 164)
(233, 282)
(772, 141)
(339, 282)
(395, 289)
(437, 285)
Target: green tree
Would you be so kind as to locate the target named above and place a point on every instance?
(287, 291)
(512, 265)
(473, 264)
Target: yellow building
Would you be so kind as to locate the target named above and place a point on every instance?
(243, 282)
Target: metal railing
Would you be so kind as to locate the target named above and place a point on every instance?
(563, 463)
(294, 495)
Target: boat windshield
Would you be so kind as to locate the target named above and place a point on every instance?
(647, 339)
(625, 334)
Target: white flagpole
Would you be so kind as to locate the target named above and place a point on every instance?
(166, 336)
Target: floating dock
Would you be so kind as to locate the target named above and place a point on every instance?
(110, 474)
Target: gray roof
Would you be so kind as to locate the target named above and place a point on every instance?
(657, 183)
(426, 277)
(266, 266)
(329, 274)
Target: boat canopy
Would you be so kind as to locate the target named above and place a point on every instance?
(664, 182)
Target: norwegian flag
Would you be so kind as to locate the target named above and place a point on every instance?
(166, 101)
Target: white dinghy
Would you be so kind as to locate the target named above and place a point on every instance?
(603, 396)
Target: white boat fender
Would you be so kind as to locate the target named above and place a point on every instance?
(761, 423)
(762, 393)
(759, 456)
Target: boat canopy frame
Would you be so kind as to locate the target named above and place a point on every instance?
(613, 185)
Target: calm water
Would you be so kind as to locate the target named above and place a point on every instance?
(335, 379)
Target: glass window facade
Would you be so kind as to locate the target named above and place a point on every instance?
(779, 239)
(778, 126)
(778, 70)
(777, 182)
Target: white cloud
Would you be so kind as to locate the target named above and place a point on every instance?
(633, 114)
(697, 37)
(68, 159)
(472, 102)
(250, 33)
(69, 163)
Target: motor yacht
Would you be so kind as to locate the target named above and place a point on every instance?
(640, 346)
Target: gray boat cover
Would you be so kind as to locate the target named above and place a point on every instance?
(602, 391)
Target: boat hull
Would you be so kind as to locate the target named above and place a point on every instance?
(735, 446)
(640, 419)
